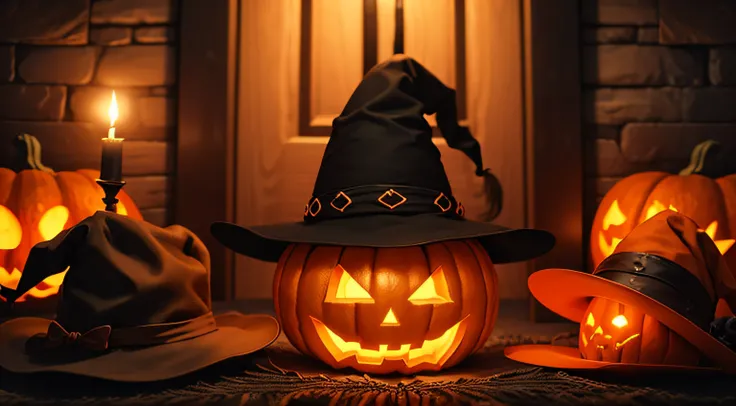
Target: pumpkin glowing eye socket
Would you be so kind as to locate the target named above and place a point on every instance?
(52, 222)
(591, 320)
(433, 291)
(344, 289)
(620, 321)
(614, 216)
(10, 231)
(657, 207)
(121, 209)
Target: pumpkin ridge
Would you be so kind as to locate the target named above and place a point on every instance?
(429, 273)
(486, 315)
(355, 306)
(721, 182)
(277, 280)
(299, 329)
(668, 355)
(724, 207)
(452, 359)
(304, 250)
(642, 202)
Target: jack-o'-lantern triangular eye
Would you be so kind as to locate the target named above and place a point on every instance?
(10, 231)
(344, 289)
(433, 291)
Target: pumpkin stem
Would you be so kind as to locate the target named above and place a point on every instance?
(703, 160)
(29, 154)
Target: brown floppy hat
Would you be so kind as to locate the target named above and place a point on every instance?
(134, 306)
(668, 269)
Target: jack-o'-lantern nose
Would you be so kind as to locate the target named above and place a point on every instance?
(390, 319)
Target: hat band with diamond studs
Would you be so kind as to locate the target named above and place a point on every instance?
(381, 199)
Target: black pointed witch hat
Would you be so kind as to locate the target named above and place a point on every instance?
(382, 183)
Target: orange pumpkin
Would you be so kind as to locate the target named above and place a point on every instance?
(36, 204)
(383, 310)
(613, 332)
(696, 192)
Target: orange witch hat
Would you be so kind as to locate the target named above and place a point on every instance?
(666, 268)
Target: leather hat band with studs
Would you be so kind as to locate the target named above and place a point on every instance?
(662, 280)
(381, 199)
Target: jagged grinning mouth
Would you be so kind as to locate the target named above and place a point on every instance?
(436, 351)
(617, 346)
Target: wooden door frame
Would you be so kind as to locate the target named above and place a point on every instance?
(207, 123)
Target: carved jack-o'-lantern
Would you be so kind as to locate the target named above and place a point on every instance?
(383, 310)
(613, 332)
(36, 204)
(639, 197)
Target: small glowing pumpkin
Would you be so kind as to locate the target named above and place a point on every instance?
(709, 200)
(384, 310)
(36, 204)
(613, 332)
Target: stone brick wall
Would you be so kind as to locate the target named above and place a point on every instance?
(60, 61)
(659, 76)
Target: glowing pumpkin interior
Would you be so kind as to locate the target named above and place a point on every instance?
(50, 224)
(613, 332)
(343, 289)
(615, 217)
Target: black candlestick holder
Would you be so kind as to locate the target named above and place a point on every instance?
(111, 189)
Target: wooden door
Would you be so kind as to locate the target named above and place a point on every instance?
(300, 60)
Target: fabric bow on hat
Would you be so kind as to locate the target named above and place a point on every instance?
(56, 337)
(134, 305)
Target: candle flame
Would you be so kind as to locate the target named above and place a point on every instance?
(113, 113)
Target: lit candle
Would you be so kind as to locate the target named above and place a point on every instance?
(112, 148)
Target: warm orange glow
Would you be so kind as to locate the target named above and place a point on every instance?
(344, 289)
(655, 208)
(620, 321)
(121, 209)
(433, 291)
(390, 319)
(600, 339)
(435, 352)
(591, 320)
(723, 245)
(614, 216)
(622, 343)
(10, 231)
(52, 222)
(53, 282)
(112, 112)
(606, 248)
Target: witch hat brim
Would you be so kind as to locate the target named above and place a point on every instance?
(568, 293)
(382, 183)
(556, 356)
(379, 231)
(236, 335)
